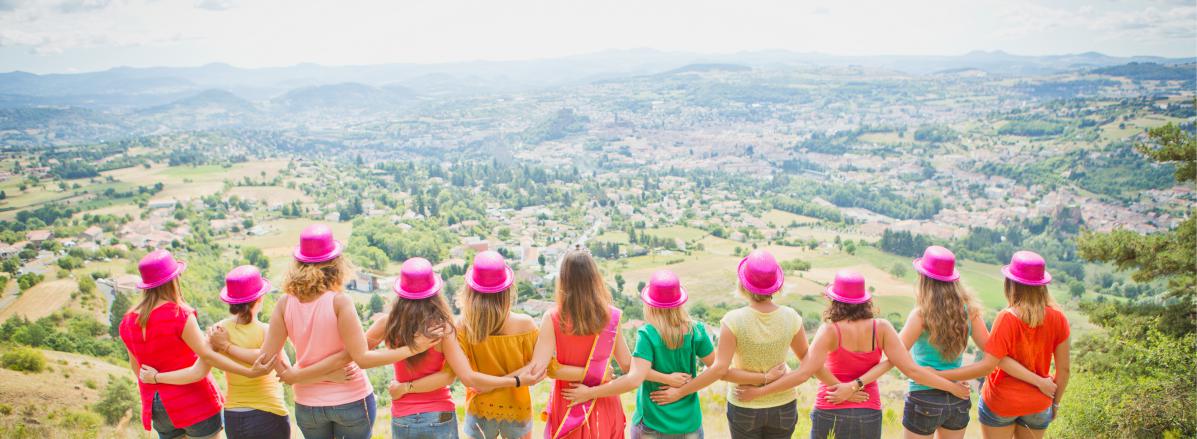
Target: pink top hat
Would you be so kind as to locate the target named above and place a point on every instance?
(157, 268)
(490, 273)
(416, 280)
(1027, 268)
(760, 274)
(243, 285)
(849, 287)
(664, 291)
(937, 263)
(316, 244)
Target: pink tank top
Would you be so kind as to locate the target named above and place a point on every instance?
(438, 400)
(312, 328)
(847, 366)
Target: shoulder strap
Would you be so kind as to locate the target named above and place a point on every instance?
(839, 338)
(874, 341)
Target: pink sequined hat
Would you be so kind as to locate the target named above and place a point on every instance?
(243, 285)
(490, 273)
(157, 268)
(417, 280)
(937, 263)
(849, 287)
(760, 274)
(316, 244)
(1027, 268)
(664, 291)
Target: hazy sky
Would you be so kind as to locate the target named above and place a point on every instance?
(81, 35)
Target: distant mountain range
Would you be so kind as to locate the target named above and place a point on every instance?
(307, 86)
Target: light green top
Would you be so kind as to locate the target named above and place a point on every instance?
(684, 416)
(925, 354)
(762, 343)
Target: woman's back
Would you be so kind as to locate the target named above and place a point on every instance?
(858, 350)
(499, 355)
(263, 393)
(762, 342)
(1034, 347)
(312, 328)
(161, 346)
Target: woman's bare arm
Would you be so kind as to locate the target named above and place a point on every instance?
(816, 356)
(896, 351)
(546, 346)
(718, 363)
(629, 381)
(194, 338)
(349, 326)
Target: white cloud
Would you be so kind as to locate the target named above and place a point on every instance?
(216, 5)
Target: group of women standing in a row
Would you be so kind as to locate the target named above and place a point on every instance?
(498, 354)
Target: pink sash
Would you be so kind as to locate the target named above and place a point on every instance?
(596, 369)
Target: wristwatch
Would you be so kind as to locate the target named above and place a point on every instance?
(859, 384)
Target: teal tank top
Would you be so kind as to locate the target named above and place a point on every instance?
(925, 354)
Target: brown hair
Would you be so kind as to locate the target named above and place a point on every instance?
(1029, 301)
(672, 323)
(409, 318)
(167, 292)
(754, 297)
(307, 281)
(482, 314)
(244, 311)
(946, 308)
(582, 297)
(840, 311)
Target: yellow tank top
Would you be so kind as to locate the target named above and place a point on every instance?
(263, 393)
(762, 342)
(500, 355)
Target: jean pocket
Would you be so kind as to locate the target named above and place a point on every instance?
(743, 419)
(350, 414)
(927, 410)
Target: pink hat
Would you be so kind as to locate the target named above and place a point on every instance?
(416, 280)
(664, 291)
(937, 263)
(1027, 268)
(157, 268)
(490, 273)
(243, 285)
(849, 287)
(316, 244)
(760, 274)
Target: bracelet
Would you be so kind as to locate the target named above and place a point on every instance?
(410, 385)
(517, 381)
(155, 378)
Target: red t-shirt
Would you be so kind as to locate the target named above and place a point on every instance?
(1006, 395)
(438, 400)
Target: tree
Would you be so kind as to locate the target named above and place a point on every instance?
(120, 398)
(1076, 290)
(87, 285)
(120, 303)
(619, 282)
(254, 256)
(376, 304)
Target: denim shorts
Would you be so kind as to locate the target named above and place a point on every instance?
(429, 425)
(640, 431)
(1034, 421)
(354, 420)
(767, 423)
(483, 428)
(929, 410)
(255, 424)
(167, 430)
(845, 423)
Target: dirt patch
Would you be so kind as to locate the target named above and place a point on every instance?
(41, 300)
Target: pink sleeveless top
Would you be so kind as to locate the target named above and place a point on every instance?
(162, 347)
(312, 328)
(847, 365)
(438, 400)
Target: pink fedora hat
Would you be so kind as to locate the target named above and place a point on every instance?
(1027, 268)
(157, 268)
(664, 291)
(849, 287)
(937, 263)
(760, 274)
(490, 273)
(316, 244)
(243, 285)
(416, 280)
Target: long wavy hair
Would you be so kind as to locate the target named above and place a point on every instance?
(946, 308)
(410, 318)
(672, 323)
(483, 314)
(308, 281)
(583, 300)
(1029, 301)
(167, 292)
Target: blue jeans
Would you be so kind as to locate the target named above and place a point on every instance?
(929, 410)
(430, 425)
(255, 424)
(167, 430)
(354, 420)
(1034, 421)
(483, 428)
(767, 423)
(640, 431)
(853, 423)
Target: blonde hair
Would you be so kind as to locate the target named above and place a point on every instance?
(754, 297)
(308, 281)
(167, 292)
(583, 300)
(672, 323)
(482, 314)
(946, 308)
(1029, 301)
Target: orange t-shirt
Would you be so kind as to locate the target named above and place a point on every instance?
(1006, 395)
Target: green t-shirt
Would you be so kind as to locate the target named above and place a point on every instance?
(685, 415)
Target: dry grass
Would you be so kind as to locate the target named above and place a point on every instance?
(41, 300)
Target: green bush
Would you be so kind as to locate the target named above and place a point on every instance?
(24, 359)
(120, 397)
(82, 423)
